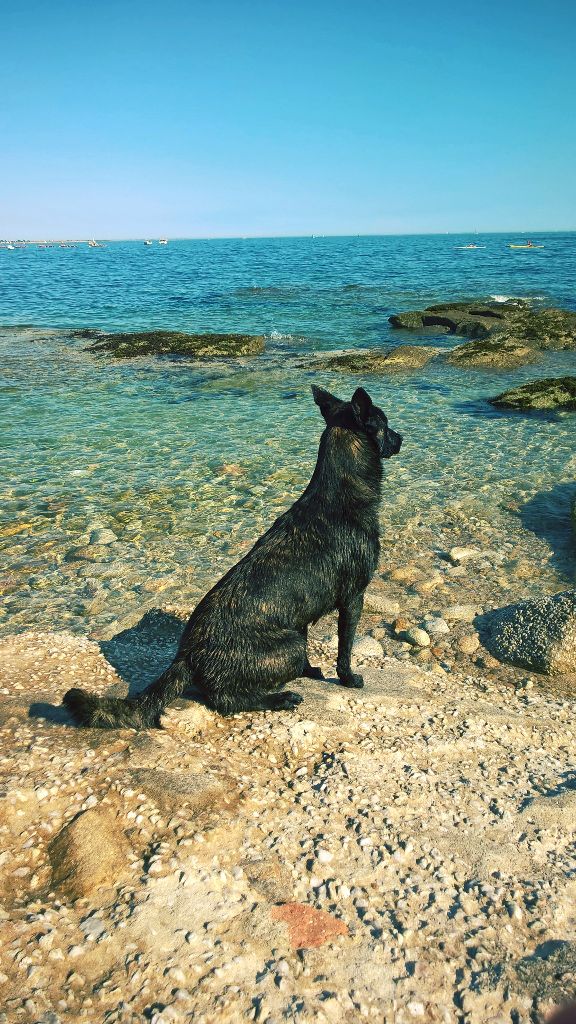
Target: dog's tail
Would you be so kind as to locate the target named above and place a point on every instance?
(141, 712)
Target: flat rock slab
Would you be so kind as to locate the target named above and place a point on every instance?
(199, 346)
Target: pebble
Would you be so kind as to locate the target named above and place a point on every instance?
(436, 627)
(469, 644)
(324, 856)
(103, 536)
(461, 612)
(367, 647)
(458, 555)
(417, 636)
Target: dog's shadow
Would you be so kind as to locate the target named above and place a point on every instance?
(141, 653)
(549, 515)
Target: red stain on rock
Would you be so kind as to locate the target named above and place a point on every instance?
(307, 927)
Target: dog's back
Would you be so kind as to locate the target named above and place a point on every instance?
(247, 637)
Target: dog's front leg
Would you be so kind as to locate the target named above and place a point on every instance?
(348, 616)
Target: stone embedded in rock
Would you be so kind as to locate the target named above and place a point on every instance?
(90, 852)
(539, 395)
(199, 346)
(539, 635)
(308, 928)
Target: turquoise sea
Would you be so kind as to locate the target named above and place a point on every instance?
(188, 462)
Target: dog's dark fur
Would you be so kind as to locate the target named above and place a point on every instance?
(247, 637)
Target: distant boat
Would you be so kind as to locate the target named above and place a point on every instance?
(526, 245)
(162, 241)
(10, 246)
(94, 244)
(147, 242)
(469, 246)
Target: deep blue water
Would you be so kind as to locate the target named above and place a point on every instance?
(187, 462)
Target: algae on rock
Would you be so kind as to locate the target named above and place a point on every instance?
(200, 346)
(539, 395)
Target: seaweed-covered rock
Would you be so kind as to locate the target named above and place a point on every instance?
(199, 346)
(517, 321)
(539, 635)
(499, 352)
(539, 395)
(467, 319)
(393, 360)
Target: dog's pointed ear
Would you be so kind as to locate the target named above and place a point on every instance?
(361, 404)
(327, 403)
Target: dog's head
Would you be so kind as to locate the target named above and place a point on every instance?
(361, 416)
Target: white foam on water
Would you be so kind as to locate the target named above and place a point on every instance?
(517, 298)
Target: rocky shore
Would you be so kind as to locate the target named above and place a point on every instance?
(401, 853)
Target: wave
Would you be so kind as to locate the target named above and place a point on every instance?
(518, 298)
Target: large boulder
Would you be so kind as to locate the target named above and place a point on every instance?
(393, 360)
(512, 322)
(538, 635)
(199, 346)
(539, 395)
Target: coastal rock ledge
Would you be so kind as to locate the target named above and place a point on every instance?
(178, 343)
(504, 335)
(539, 395)
(539, 635)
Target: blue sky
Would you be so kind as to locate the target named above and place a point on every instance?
(239, 117)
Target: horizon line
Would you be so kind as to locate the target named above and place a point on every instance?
(366, 234)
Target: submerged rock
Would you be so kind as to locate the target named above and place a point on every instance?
(499, 353)
(551, 393)
(393, 360)
(200, 346)
(539, 635)
(505, 335)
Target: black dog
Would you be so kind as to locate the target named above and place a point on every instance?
(247, 637)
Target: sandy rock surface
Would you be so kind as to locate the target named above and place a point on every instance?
(398, 853)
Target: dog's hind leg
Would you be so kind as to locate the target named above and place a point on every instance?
(311, 671)
(256, 684)
(348, 616)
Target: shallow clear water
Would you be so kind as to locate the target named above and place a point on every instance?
(188, 462)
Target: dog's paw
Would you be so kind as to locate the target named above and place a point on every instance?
(311, 672)
(285, 701)
(353, 680)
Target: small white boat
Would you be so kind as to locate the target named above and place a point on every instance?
(147, 242)
(94, 244)
(10, 246)
(162, 241)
